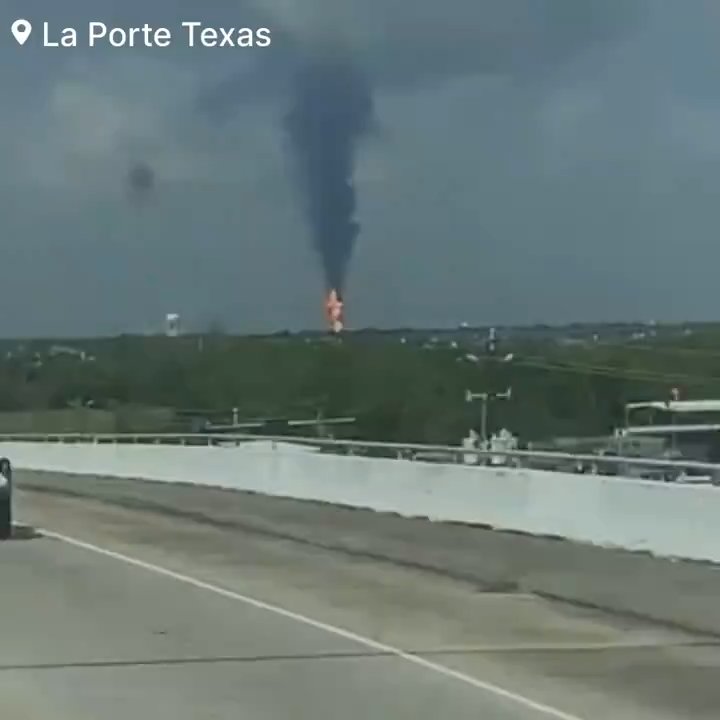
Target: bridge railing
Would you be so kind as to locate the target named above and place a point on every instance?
(648, 468)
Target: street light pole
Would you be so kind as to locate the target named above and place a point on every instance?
(484, 398)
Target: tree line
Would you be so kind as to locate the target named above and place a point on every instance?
(399, 392)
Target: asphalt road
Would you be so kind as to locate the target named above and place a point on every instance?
(118, 612)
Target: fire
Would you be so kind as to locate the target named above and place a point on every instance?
(334, 311)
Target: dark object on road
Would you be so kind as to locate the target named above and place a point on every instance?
(5, 499)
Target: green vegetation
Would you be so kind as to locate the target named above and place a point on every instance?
(410, 392)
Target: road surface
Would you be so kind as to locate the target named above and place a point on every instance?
(117, 612)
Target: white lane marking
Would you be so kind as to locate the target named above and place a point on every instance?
(488, 687)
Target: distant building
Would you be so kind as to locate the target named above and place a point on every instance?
(172, 325)
(57, 350)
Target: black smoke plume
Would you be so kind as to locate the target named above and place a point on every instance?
(331, 111)
(140, 181)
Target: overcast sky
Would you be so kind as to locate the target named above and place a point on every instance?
(534, 161)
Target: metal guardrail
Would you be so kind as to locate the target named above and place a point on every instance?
(529, 459)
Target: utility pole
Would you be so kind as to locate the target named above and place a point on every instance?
(484, 398)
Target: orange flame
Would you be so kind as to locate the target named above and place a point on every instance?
(334, 311)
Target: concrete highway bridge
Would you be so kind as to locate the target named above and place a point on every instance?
(123, 598)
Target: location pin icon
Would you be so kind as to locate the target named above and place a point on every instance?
(21, 30)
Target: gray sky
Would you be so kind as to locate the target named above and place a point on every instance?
(534, 161)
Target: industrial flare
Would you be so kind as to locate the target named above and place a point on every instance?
(334, 311)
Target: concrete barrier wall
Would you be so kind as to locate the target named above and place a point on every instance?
(665, 519)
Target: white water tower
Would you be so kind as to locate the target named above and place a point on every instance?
(172, 325)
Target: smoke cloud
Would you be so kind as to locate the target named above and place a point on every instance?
(140, 181)
(331, 111)
(423, 42)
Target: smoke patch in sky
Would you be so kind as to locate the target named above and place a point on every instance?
(332, 110)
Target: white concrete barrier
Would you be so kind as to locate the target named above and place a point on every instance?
(665, 519)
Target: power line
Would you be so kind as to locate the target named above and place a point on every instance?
(664, 350)
(609, 371)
